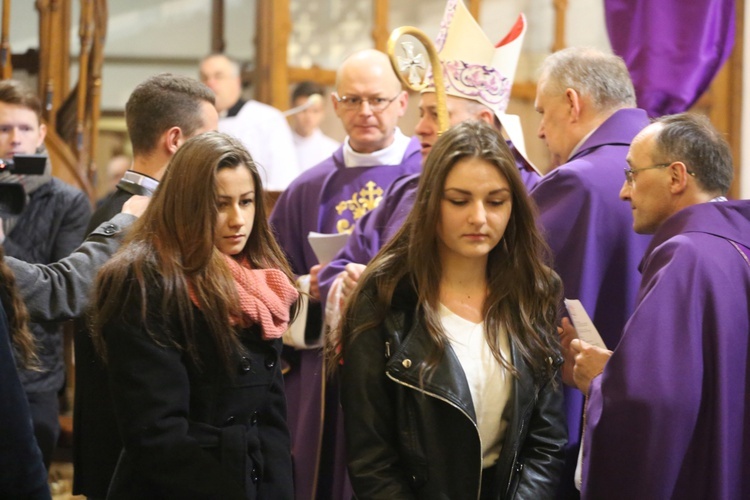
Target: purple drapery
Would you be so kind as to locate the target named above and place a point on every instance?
(673, 48)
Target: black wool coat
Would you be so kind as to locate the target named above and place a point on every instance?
(194, 431)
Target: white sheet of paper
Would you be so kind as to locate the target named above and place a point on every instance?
(326, 246)
(588, 333)
(583, 324)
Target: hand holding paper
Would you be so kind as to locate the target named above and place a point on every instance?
(583, 324)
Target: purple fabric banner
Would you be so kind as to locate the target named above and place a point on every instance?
(673, 48)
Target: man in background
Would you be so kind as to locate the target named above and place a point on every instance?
(51, 226)
(261, 128)
(587, 104)
(313, 146)
(668, 416)
(161, 114)
(329, 198)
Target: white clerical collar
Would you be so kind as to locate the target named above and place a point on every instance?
(580, 143)
(391, 155)
(718, 199)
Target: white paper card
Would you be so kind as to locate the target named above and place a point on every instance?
(295, 335)
(583, 324)
(326, 246)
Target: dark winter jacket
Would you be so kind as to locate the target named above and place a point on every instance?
(51, 226)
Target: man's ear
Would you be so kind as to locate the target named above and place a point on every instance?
(402, 102)
(486, 115)
(172, 139)
(42, 134)
(678, 181)
(335, 101)
(573, 100)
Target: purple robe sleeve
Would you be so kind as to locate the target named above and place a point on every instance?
(662, 39)
(658, 418)
(372, 231)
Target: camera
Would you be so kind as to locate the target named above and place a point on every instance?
(12, 194)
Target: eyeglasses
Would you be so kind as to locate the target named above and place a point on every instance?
(630, 172)
(377, 104)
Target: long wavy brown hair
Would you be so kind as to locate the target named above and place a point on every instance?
(24, 345)
(523, 291)
(172, 244)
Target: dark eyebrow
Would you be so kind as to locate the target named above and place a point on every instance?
(242, 195)
(463, 191)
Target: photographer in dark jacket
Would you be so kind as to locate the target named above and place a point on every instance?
(449, 350)
(51, 226)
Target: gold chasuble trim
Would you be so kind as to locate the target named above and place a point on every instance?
(360, 203)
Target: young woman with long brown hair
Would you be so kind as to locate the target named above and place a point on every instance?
(449, 346)
(189, 318)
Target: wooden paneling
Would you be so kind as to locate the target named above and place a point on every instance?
(722, 102)
(217, 27)
(6, 68)
(272, 36)
(380, 31)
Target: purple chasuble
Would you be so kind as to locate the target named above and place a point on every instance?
(672, 48)
(669, 416)
(328, 198)
(595, 250)
(377, 227)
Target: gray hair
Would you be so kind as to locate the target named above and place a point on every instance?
(602, 77)
(693, 140)
(233, 63)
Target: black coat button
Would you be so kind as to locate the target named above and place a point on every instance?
(230, 420)
(254, 418)
(110, 229)
(270, 362)
(254, 475)
(244, 365)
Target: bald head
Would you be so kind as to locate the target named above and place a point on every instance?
(368, 64)
(366, 79)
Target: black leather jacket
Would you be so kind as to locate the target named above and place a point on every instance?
(403, 442)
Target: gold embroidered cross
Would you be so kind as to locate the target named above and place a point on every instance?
(360, 203)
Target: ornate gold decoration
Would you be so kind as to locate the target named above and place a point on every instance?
(360, 203)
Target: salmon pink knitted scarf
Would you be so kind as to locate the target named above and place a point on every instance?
(265, 298)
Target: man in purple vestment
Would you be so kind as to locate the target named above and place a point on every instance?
(330, 198)
(478, 79)
(589, 118)
(668, 415)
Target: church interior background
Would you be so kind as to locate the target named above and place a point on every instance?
(283, 42)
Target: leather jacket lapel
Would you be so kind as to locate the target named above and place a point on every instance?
(446, 381)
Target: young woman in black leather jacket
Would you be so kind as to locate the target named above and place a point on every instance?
(449, 353)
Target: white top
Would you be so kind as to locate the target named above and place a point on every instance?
(490, 383)
(389, 155)
(266, 134)
(314, 148)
